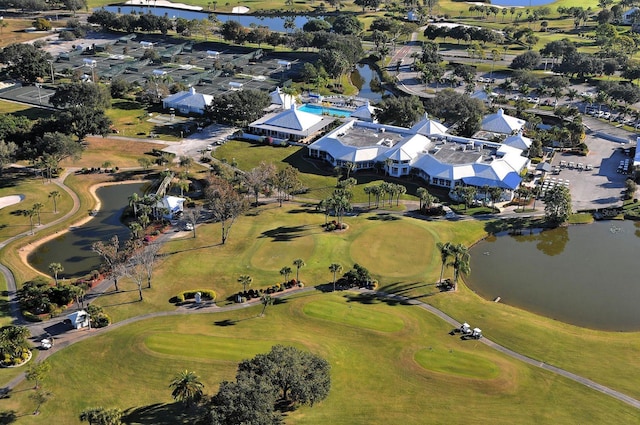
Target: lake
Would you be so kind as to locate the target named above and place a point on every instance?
(73, 249)
(583, 275)
(275, 23)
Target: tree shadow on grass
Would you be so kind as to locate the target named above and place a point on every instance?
(285, 233)
(384, 217)
(162, 414)
(400, 288)
(8, 417)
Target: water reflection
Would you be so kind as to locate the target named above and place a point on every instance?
(368, 83)
(578, 274)
(73, 249)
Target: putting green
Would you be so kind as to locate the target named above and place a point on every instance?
(384, 250)
(353, 314)
(205, 347)
(458, 363)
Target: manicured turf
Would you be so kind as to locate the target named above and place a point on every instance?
(414, 375)
(120, 153)
(35, 190)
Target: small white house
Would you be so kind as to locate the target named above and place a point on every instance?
(79, 319)
(172, 205)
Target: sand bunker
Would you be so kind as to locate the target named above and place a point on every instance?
(5, 201)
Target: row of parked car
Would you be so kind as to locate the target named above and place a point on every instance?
(613, 116)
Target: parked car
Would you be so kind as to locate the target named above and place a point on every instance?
(187, 227)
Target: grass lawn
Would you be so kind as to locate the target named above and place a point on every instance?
(35, 190)
(19, 109)
(272, 237)
(120, 153)
(131, 119)
(386, 361)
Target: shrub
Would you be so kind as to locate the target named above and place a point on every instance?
(206, 294)
(30, 317)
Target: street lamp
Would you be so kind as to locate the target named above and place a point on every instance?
(38, 85)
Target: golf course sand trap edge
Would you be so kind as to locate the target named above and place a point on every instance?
(6, 201)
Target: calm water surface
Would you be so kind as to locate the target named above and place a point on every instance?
(584, 275)
(73, 249)
(275, 23)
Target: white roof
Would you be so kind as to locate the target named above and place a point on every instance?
(293, 119)
(283, 99)
(78, 316)
(502, 123)
(518, 141)
(189, 99)
(408, 149)
(173, 203)
(365, 112)
(427, 127)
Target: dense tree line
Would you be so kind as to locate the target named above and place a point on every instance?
(464, 33)
(130, 23)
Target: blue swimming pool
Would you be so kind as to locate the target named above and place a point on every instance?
(320, 110)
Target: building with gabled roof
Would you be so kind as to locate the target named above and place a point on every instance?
(425, 150)
(188, 102)
(365, 112)
(518, 141)
(502, 123)
(290, 124)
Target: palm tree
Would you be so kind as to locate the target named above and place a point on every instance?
(421, 192)
(136, 229)
(245, 280)
(285, 271)
(56, 268)
(37, 207)
(445, 253)
(400, 190)
(187, 388)
(349, 166)
(298, 262)
(134, 199)
(55, 194)
(368, 191)
(335, 268)
(460, 262)
(29, 213)
(265, 300)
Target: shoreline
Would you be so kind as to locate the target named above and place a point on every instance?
(25, 250)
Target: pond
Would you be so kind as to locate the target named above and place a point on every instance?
(275, 23)
(583, 275)
(361, 77)
(73, 249)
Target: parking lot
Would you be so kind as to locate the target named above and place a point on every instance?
(602, 185)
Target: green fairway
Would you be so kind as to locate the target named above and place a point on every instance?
(271, 238)
(377, 376)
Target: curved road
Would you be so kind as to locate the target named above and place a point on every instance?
(75, 336)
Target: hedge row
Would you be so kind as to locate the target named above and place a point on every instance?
(206, 294)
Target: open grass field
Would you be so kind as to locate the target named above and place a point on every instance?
(272, 237)
(317, 176)
(19, 109)
(14, 31)
(390, 363)
(120, 153)
(35, 190)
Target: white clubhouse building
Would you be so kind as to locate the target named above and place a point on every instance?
(426, 150)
